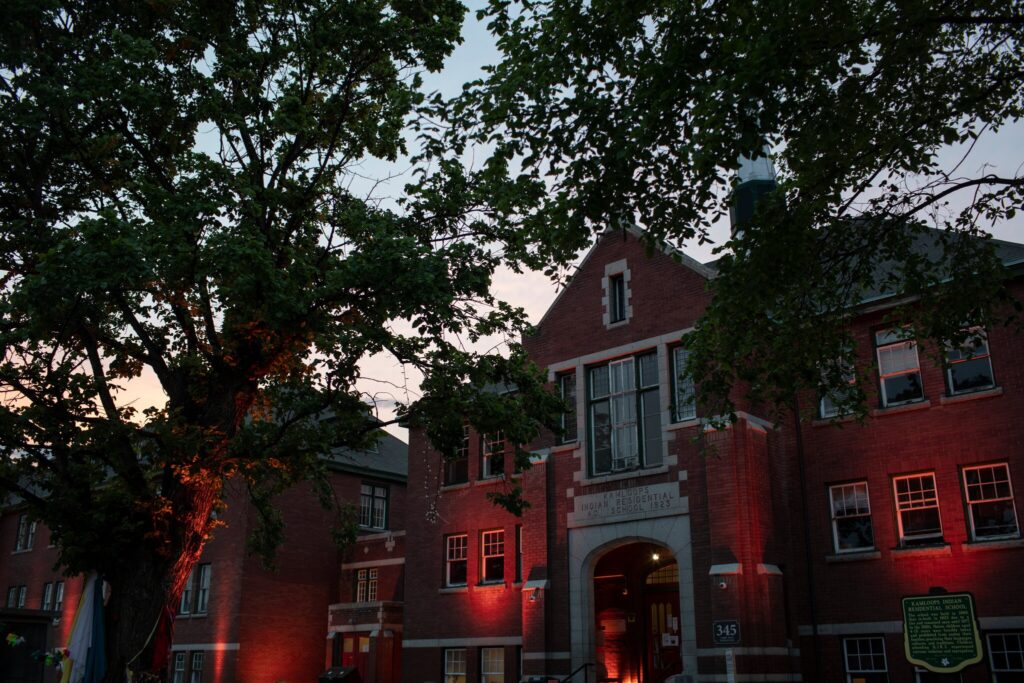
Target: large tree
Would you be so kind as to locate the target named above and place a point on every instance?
(173, 206)
(604, 112)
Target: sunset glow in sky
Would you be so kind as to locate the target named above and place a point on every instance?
(384, 380)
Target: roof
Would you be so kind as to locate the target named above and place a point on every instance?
(390, 460)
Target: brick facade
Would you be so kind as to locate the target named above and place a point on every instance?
(727, 506)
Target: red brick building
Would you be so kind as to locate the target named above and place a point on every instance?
(652, 559)
(237, 621)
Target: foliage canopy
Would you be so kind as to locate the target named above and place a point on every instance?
(173, 202)
(604, 112)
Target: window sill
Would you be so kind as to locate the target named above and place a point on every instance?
(834, 420)
(972, 396)
(616, 323)
(455, 487)
(996, 544)
(489, 481)
(936, 550)
(685, 424)
(197, 615)
(923, 404)
(490, 586)
(453, 589)
(867, 554)
(619, 476)
(21, 552)
(373, 529)
(565, 447)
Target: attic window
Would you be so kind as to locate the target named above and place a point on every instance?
(617, 310)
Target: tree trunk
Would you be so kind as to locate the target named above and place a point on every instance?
(148, 585)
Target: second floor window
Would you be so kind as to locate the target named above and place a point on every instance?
(26, 533)
(684, 390)
(366, 585)
(196, 674)
(851, 517)
(624, 414)
(899, 369)
(373, 506)
(179, 668)
(455, 665)
(58, 596)
(917, 509)
(969, 365)
(492, 557)
(47, 597)
(990, 500)
(456, 467)
(1006, 656)
(492, 665)
(456, 555)
(492, 455)
(195, 598)
(12, 596)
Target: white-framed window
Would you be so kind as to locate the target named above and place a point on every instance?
(366, 585)
(917, 509)
(26, 533)
(1006, 656)
(683, 390)
(455, 665)
(373, 506)
(969, 365)
(899, 369)
(492, 455)
(58, 596)
(624, 414)
(989, 496)
(851, 517)
(203, 593)
(22, 594)
(865, 660)
(47, 597)
(195, 597)
(187, 593)
(179, 668)
(195, 674)
(567, 390)
(456, 468)
(12, 596)
(492, 556)
(456, 556)
(492, 665)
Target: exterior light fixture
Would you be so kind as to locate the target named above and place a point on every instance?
(533, 595)
(655, 557)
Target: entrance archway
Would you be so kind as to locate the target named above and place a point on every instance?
(636, 614)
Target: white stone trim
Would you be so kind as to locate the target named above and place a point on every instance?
(619, 267)
(729, 569)
(586, 547)
(542, 584)
(205, 647)
(373, 627)
(750, 651)
(379, 537)
(495, 641)
(749, 678)
(1000, 623)
(854, 628)
(769, 569)
(547, 655)
(373, 563)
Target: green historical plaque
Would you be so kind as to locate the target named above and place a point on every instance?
(940, 632)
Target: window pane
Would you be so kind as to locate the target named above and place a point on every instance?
(903, 388)
(854, 533)
(685, 409)
(567, 387)
(649, 370)
(971, 374)
(599, 385)
(601, 427)
(651, 404)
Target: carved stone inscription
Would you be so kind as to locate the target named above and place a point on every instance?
(654, 500)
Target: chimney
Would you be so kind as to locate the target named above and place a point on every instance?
(756, 179)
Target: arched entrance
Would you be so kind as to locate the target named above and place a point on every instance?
(636, 614)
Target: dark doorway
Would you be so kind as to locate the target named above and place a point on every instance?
(636, 614)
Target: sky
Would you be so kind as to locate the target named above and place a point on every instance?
(384, 380)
